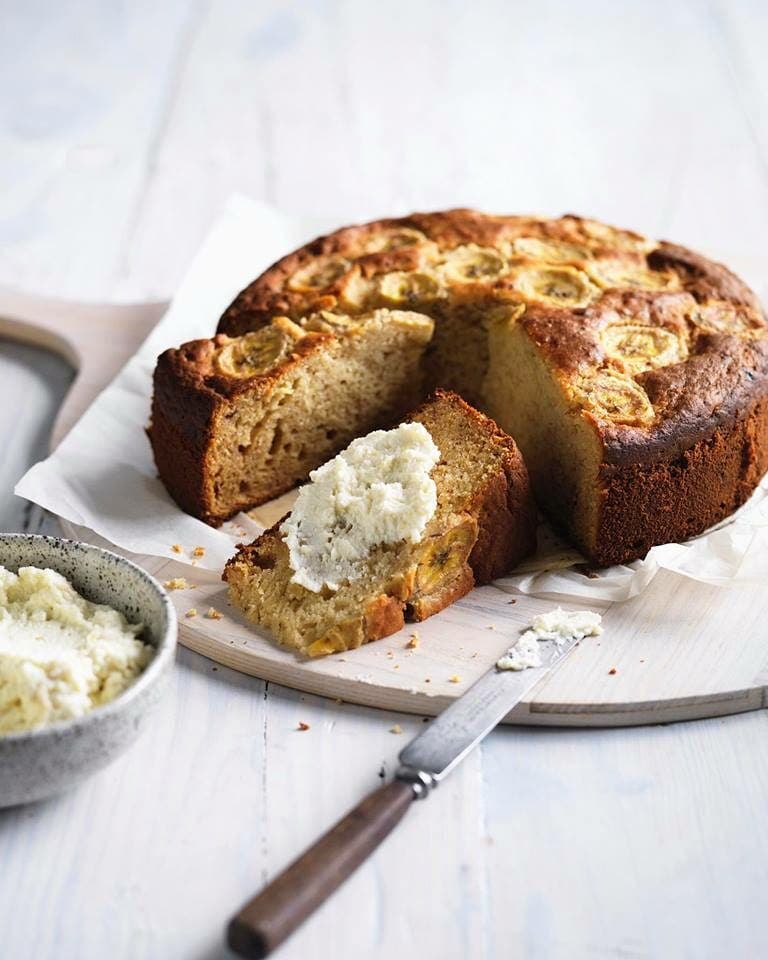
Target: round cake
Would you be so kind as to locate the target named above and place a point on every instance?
(633, 374)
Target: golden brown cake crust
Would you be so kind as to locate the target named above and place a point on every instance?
(674, 500)
(269, 295)
(694, 295)
(682, 417)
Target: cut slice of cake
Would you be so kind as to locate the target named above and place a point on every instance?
(238, 420)
(398, 526)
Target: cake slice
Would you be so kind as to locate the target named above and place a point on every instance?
(237, 421)
(398, 526)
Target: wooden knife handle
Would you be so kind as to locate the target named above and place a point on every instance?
(288, 900)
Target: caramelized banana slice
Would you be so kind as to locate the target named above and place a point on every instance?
(346, 635)
(620, 239)
(326, 322)
(257, 352)
(471, 263)
(355, 291)
(562, 286)
(618, 273)
(318, 274)
(340, 323)
(642, 348)
(550, 251)
(394, 238)
(442, 566)
(719, 316)
(401, 287)
(613, 397)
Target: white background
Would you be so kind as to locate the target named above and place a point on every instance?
(123, 128)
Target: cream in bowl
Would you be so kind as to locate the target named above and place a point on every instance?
(87, 641)
(60, 654)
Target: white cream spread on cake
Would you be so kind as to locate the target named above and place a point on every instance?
(60, 654)
(557, 625)
(377, 491)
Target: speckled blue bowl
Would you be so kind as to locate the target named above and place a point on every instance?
(46, 761)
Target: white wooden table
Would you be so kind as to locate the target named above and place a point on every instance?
(123, 128)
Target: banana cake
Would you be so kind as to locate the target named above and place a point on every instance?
(633, 374)
(399, 525)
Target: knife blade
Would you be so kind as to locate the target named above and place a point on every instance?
(273, 914)
(463, 724)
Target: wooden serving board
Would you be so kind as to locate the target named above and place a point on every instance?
(681, 650)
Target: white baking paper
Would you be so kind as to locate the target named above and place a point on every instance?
(102, 476)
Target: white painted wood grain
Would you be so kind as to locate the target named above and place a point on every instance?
(654, 841)
(123, 128)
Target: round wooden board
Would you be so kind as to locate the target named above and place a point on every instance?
(679, 651)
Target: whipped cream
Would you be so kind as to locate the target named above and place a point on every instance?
(557, 625)
(377, 491)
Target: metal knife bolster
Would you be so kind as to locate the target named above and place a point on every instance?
(449, 737)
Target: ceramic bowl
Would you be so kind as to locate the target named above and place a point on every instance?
(40, 763)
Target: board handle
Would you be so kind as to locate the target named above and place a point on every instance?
(272, 916)
(94, 338)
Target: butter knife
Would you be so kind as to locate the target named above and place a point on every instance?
(274, 913)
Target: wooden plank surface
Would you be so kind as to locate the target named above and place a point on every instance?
(124, 128)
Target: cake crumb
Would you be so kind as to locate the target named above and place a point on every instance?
(212, 614)
(454, 679)
(413, 642)
(192, 612)
(396, 729)
(390, 653)
(198, 552)
(302, 726)
(511, 601)
(177, 548)
(177, 583)
(428, 680)
(612, 671)
(491, 626)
